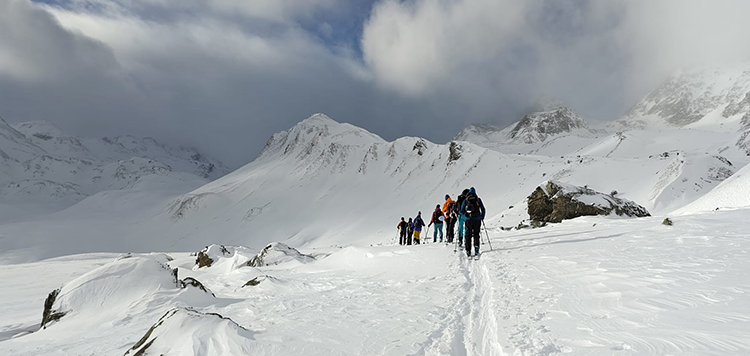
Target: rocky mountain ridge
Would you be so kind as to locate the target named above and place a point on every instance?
(40, 163)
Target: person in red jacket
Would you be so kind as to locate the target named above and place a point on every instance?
(437, 219)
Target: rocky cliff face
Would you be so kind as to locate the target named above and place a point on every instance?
(540, 126)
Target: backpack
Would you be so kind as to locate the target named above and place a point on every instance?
(472, 206)
(459, 201)
(436, 217)
(451, 207)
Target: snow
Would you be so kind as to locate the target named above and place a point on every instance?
(589, 286)
(319, 207)
(734, 192)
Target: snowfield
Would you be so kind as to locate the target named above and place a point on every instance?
(590, 286)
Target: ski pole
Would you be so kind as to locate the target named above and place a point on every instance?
(487, 233)
(427, 237)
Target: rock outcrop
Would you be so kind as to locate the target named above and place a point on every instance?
(554, 202)
(276, 253)
(210, 254)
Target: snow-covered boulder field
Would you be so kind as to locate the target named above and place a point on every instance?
(555, 201)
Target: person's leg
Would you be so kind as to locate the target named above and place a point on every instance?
(416, 236)
(441, 232)
(467, 237)
(460, 230)
(476, 234)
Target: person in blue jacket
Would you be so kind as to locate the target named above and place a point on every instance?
(473, 211)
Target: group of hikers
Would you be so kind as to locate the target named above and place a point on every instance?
(467, 210)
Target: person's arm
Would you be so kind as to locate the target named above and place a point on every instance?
(484, 212)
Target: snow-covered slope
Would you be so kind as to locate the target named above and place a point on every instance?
(42, 169)
(732, 193)
(323, 183)
(590, 286)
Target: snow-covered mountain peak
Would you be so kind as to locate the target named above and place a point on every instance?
(698, 98)
(315, 132)
(539, 126)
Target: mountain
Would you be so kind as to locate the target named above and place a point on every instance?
(43, 169)
(111, 149)
(552, 130)
(716, 99)
(323, 183)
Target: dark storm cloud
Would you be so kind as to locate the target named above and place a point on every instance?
(223, 75)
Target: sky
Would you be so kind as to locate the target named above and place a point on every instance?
(224, 75)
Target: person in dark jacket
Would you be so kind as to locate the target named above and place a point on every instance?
(403, 226)
(418, 224)
(473, 211)
(409, 231)
(461, 219)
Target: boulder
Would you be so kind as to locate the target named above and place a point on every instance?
(276, 253)
(210, 254)
(554, 202)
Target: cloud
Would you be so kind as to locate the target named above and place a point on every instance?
(600, 56)
(224, 75)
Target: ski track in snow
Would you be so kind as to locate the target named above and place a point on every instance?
(591, 286)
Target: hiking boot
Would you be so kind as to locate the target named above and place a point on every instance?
(476, 250)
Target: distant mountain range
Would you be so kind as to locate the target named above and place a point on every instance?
(325, 183)
(41, 163)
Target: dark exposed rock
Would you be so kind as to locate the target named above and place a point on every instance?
(204, 256)
(276, 253)
(255, 281)
(49, 315)
(455, 152)
(203, 260)
(192, 282)
(667, 221)
(420, 146)
(555, 202)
